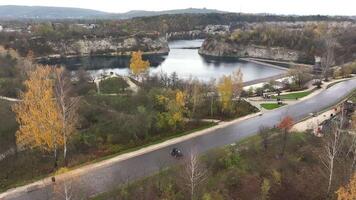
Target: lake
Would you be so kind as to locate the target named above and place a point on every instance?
(183, 59)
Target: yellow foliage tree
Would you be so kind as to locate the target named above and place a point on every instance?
(37, 113)
(225, 89)
(173, 109)
(349, 191)
(180, 98)
(137, 65)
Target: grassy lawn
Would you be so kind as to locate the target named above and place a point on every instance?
(271, 106)
(296, 95)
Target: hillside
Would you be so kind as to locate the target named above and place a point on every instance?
(43, 12)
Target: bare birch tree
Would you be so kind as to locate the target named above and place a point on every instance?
(333, 143)
(68, 190)
(352, 145)
(68, 106)
(193, 173)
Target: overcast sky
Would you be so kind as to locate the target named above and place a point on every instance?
(301, 7)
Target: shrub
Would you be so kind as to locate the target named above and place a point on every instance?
(113, 85)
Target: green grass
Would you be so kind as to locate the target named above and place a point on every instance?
(271, 106)
(296, 95)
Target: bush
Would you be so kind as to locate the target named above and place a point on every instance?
(113, 85)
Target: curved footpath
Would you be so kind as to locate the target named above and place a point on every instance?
(106, 175)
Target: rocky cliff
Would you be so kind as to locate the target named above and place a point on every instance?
(213, 47)
(105, 46)
(186, 35)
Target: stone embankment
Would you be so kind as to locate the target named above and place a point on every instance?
(109, 46)
(213, 47)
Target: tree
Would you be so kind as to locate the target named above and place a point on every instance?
(225, 89)
(300, 75)
(264, 134)
(137, 65)
(68, 107)
(333, 142)
(285, 125)
(38, 114)
(265, 187)
(194, 174)
(196, 96)
(84, 84)
(328, 57)
(349, 191)
(172, 109)
(113, 85)
(237, 83)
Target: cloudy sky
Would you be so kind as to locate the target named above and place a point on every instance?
(301, 7)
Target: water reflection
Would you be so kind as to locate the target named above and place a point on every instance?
(182, 59)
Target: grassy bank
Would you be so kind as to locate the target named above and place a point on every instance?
(271, 106)
(295, 95)
(38, 166)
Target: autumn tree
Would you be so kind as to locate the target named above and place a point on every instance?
(38, 114)
(195, 96)
(237, 83)
(285, 125)
(347, 192)
(225, 89)
(67, 105)
(300, 75)
(137, 65)
(265, 189)
(172, 109)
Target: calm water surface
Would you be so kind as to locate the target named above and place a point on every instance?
(182, 59)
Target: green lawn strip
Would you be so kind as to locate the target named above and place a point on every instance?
(295, 95)
(163, 139)
(271, 106)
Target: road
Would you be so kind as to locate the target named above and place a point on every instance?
(93, 180)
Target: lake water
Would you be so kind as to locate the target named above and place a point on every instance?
(182, 59)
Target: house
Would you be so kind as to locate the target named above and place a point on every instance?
(1, 28)
(87, 26)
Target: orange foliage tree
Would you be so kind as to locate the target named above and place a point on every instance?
(349, 191)
(38, 115)
(285, 125)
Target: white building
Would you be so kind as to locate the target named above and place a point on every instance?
(1, 28)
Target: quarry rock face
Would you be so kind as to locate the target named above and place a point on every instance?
(108, 46)
(220, 48)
